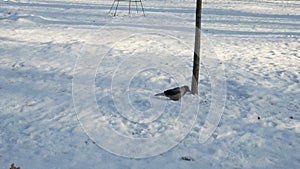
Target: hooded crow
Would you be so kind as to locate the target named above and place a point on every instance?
(175, 93)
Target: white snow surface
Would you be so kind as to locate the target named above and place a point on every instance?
(68, 69)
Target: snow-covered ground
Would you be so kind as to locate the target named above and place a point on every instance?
(77, 85)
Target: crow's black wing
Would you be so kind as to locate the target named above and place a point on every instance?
(171, 92)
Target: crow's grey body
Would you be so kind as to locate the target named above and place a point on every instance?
(175, 93)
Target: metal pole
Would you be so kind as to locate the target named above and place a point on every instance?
(196, 64)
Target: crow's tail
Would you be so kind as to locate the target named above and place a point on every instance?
(160, 94)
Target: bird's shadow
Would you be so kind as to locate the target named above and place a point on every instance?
(163, 98)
